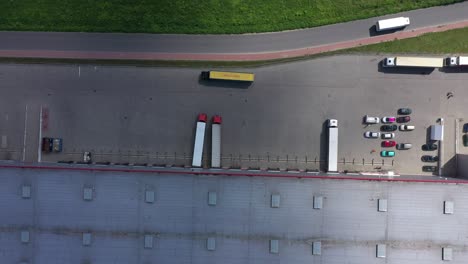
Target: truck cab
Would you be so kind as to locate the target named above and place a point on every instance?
(451, 61)
(202, 118)
(217, 119)
(332, 123)
(389, 62)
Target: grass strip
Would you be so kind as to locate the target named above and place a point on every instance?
(190, 16)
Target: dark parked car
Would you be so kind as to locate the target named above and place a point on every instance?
(429, 168)
(465, 140)
(429, 147)
(427, 158)
(404, 111)
(465, 128)
(389, 127)
(403, 119)
(47, 144)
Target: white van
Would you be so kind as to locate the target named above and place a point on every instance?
(406, 128)
(371, 120)
(403, 146)
(392, 23)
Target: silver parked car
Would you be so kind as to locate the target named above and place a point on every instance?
(370, 134)
(402, 146)
(388, 135)
(406, 128)
(371, 120)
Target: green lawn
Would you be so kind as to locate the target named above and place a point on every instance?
(192, 16)
(452, 41)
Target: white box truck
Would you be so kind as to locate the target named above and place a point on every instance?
(413, 62)
(199, 139)
(216, 142)
(456, 61)
(392, 23)
(332, 145)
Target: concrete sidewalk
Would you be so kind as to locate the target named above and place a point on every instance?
(150, 56)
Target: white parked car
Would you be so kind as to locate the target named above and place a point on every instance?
(406, 128)
(388, 119)
(371, 120)
(370, 134)
(402, 146)
(388, 135)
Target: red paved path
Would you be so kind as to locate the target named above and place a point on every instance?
(51, 54)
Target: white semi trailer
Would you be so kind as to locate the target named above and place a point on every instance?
(423, 62)
(392, 23)
(456, 61)
(199, 140)
(332, 145)
(216, 142)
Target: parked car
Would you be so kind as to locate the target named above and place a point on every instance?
(370, 134)
(429, 147)
(57, 145)
(386, 153)
(388, 119)
(465, 140)
(404, 111)
(371, 120)
(427, 158)
(429, 168)
(87, 157)
(388, 127)
(46, 144)
(388, 143)
(403, 119)
(388, 135)
(406, 128)
(403, 146)
(465, 128)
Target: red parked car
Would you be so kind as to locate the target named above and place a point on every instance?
(388, 143)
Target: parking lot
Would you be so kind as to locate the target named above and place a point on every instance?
(147, 115)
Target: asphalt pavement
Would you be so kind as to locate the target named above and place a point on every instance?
(147, 115)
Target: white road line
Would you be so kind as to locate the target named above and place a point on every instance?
(25, 129)
(79, 71)
(39, 152)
